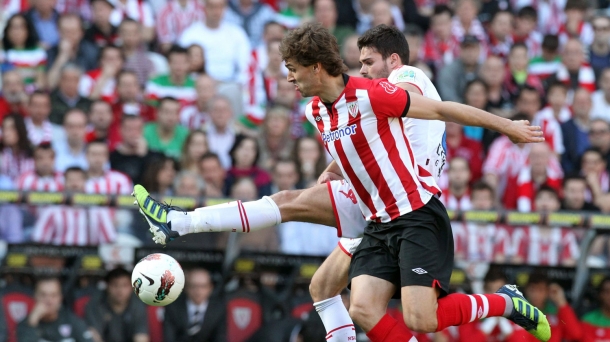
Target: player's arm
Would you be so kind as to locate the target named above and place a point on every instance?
(427, 109)
(410, 87)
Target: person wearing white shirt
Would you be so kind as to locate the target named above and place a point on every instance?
(221, 134)
(227, 47)
(70, 144)
(40, 129)
(601, 98)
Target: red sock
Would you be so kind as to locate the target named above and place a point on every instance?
(389, 330)
(458, 309)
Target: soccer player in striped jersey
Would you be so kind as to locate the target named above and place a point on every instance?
(373, 105)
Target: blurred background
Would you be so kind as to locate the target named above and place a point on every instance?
(190, 99)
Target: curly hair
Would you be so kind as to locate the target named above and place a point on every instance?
(311, 44)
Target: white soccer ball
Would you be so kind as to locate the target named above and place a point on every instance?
(157, 279)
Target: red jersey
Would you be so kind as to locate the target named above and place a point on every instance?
(30, 181)
(361, 132)
(595, 327)
(112, 183)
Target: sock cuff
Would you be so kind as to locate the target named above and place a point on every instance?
(276, 209)
(322, 305)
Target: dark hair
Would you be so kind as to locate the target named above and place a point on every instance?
(386, 40)
(271, 23)
(526, 88)
(310, 44)
(594, 150)
(75, 169)
(442, 9)
(176, 49)
(413, 30)
(239, 139)
(23, 142)
(550, 42)
(96, 142)
(557, 84)
(30, 42)
(39, 93)
(576, 4)
(573, 177)
(538, 278)
(149, 179)
(474, 82)
(600, 287)
(548, 189)
(110, 47)
(497, 13)
(494, 274)
(518, 45)
(285, 161)
(481, 186)
(128, 117)
(528, 12)
(167, 99)
(117, 273)
(210, 155)
(320, 164)
(519, 116)
(44, 146)
(202, 69)
(96, 102)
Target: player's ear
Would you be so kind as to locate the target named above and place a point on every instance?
(317, 67)
(395, 60)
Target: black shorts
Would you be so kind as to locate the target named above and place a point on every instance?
(414, 249)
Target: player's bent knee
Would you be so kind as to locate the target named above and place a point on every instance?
(420, 321)
(285, 202)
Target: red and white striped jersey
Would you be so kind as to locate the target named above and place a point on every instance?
(40, 134)
(112, 183)
(14, 165)
(65, 225)
(452, 202)
(138, 10)
(505, 159)
(173, 19)
(88, 82)
(547, 246)
(361, 132)
(526, 189)
(193, 118)
(30, 181)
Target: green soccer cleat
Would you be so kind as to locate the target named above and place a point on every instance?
(155, 214)
(526, 315)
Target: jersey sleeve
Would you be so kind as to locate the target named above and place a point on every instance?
(410, 76)
(388, 100)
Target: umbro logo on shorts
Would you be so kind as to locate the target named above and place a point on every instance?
(419, 270)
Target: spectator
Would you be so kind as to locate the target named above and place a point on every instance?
(577, 131)
(197, 315)
(415, 38)
(14, 99)
(553, 303)
(166, 135)
(601, 97)
(599, 52)
(325, 13)
(528, 102)
(195, 146)
(48, 320)
(70, 147)
(575, 26)
(482, 196)
(100, 180)
(593, 168)
(549, 62)
(251, 15)
(457, 195)
(101, 83)
(101, 32)
(272, 31)
(45, 19)
(244, 160)
(526, 22)
(177, 83)
(214, 175)
(39, 128)
(140, 11)
(188, 183)
(311, 159)
(382, 14)
(465, 22)
(517, 75)
(226, 46)
(117, 314)
(460, 146)
(285, 176)
(440, 48)
(501, 33)
(594, 327)
(159, 176)
(221, 134)
(70, 49)
(287, 97)
(453, 77)
(551, 117)
(351, 55)
(475, 95)
(274, 138)
(134, 50)
(196, 115)
(132, 155)
(100, 118)
(15, 148)
(537, 174)
(547, 200)
(574, 195)
(573, 71)
(174, 18)
(196, 60)
(66, 97)
(43, 177)
(295, 12)
(130, 100)
(21, 51)
(599, 137)
(67, 225)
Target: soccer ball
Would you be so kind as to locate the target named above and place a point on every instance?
(157, 279)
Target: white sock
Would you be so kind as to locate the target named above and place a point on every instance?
(237, 216)
(338, 324)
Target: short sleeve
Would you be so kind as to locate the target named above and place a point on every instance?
(388, 100)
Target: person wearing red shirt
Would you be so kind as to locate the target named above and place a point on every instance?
(13, 99)
(100, 118)
(460, 146)
(552, 299)
(539, 172)
(596, 324)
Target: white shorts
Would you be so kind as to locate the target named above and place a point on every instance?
(350, 221)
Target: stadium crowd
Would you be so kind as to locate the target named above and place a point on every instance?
(190, 98)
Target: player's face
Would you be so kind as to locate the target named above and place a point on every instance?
(373, 64)
(303, 78)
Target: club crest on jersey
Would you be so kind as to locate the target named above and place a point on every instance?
(352, 108)
(389, 88)
(339, 133)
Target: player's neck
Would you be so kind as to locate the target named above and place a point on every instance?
(332, 88)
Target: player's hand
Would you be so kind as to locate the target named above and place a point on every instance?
(328, 176)
(521, 132)
(557, 295)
